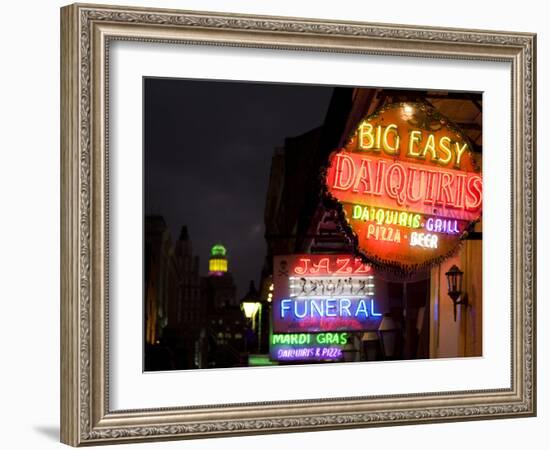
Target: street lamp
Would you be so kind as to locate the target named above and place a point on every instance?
(250, 309)
(454, 284)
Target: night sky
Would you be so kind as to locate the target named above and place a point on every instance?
(207, 157)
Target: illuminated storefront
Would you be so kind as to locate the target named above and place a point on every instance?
(406, 186)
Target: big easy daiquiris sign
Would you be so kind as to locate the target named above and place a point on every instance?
(408, 184)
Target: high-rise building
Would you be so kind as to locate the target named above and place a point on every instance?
(175, 317)
(226, 323)
(219, 290)
(191, 313)
(217, 264)
(160, 278)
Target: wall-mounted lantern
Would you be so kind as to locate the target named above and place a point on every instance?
(454, 284)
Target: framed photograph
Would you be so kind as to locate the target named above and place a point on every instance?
(278, 225)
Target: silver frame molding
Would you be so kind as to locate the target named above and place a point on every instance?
(86, 32)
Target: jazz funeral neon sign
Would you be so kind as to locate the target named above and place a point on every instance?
(408, 183)
(320, 293)
(329, 307)
(327, 287)
(308, 265)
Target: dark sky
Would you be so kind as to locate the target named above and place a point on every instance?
(208, 149)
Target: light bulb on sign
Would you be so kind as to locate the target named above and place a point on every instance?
(408, 111)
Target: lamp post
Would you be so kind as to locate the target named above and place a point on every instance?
(250, 310)
(251, 306)
(454, 285)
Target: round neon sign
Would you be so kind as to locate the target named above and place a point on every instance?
(408, 184)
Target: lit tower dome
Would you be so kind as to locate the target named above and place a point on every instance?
(217, 264)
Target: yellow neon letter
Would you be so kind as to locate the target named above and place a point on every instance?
(366, 135)
(430, 147)
(444, 144)
(378, 134)
(387, 147)
(414, 137)
(459, 151)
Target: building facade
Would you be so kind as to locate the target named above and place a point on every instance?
(174, 315)
(299, 221)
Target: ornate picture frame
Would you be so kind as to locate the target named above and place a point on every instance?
(87, 31)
